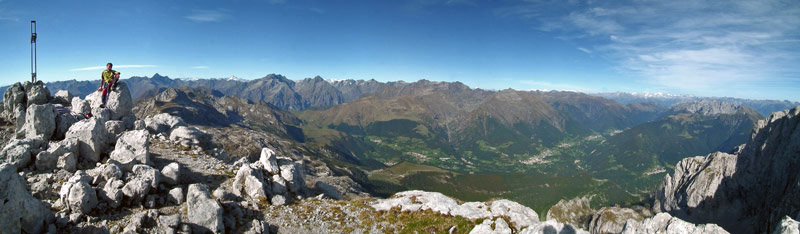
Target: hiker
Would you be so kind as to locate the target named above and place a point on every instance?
(108, 80)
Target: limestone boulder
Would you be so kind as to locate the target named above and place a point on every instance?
(20, 152)
(63, 122)
(132, 148)
(665, 223)
(37, 93)
(91, 136)
(13, 98)
(250, 183)
(190, 136)
(21, 212)
(203, 212)
(77, 195)
(56, 151)
(81, 106)
(269, 161)
(63, 97)
(293, 175)
(162, 123)
(120, 102)
(171, 173)
(40, 120)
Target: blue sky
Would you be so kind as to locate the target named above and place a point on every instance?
(747, 49)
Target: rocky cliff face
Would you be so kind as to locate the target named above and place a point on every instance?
(748, 191)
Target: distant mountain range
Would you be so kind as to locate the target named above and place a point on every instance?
(765, 107)
(317, 92)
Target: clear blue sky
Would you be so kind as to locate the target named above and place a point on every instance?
(747, 49)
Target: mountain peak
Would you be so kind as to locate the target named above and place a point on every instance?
(707, 107)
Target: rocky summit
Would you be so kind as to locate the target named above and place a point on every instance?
(748, 191)
(155, 166)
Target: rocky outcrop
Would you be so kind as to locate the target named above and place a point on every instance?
(162, 123)
(13, 98)
(787, 226)
(37, 93)
(63, 97)
(748, 191)
(80, 106)
(521, 218)
(190, 136)
(249, 182)
(133, 147)
(203, 212)
(19, 211)
(613, 219)
(119, 103)
(40, 120)
(665, 223)
(63, 122)
(59, 154)
(91, 137)
(707, 107)
(171, 173)
(77, 195)
(576, 211)
(20, 152)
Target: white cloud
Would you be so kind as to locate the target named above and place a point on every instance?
(584, 50)
(115, 67)
(207, 15)
(682, 44)
(200, 67)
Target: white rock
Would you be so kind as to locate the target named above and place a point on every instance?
(250, 183)
(501, 227)
(22, 212)
(37, 93)
(551, 226)
(120, 102)
(115, 127)
(278, 185)
(40, 120)
(133, 147)
(77, 195)
(147, 173)
(171, 173)
(162, 123)
(787, 226)
(293, 176)
(269, 160)
(518, 214)
(203, 211)
(484, 228)
(68, 162)
(665, 223)
(13, 100)
(91, 136)
(278, 200)
(80, 106)
(48, 159)
(63, 97)
(189, 136)
(63, 122)
(112, 192)
(18, 155)
(176, 195)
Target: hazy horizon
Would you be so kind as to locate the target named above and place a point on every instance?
(721, 49)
